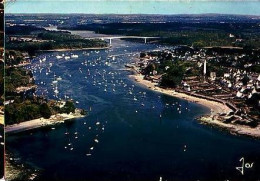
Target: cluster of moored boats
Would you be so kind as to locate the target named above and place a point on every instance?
(97, 72)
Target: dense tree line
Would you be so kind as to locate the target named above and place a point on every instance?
(25, 110)
(52, 40)
(179, 33)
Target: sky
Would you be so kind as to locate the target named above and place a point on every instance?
(168, 7)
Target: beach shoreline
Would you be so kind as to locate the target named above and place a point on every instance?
(41, 122)
(215, 107)
(2, 119)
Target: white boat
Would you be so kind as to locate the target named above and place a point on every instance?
(58, 57)
(56, 91)
(66, 133)
(43, 60)
(74, 56)
(108, 64)
(67, 57)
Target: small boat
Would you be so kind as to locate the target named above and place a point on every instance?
(96, 140)
(43, 60)
(56, 91)
(88, 154)
(74, 56)
(66, 133)
(67, 57)
(58, 57)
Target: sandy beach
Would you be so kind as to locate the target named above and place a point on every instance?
(41, 122)
(216, 108)
(2, 119)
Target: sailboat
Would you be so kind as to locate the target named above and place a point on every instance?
(56, 90)
(66, 133)
(74, 56)
(67, 57)
(58, 57)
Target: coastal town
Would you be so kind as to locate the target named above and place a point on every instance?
(224, 75)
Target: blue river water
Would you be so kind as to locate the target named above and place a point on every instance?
(131, 133)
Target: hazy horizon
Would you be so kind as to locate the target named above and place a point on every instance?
(134, 7)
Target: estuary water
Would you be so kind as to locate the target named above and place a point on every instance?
(131, 133)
